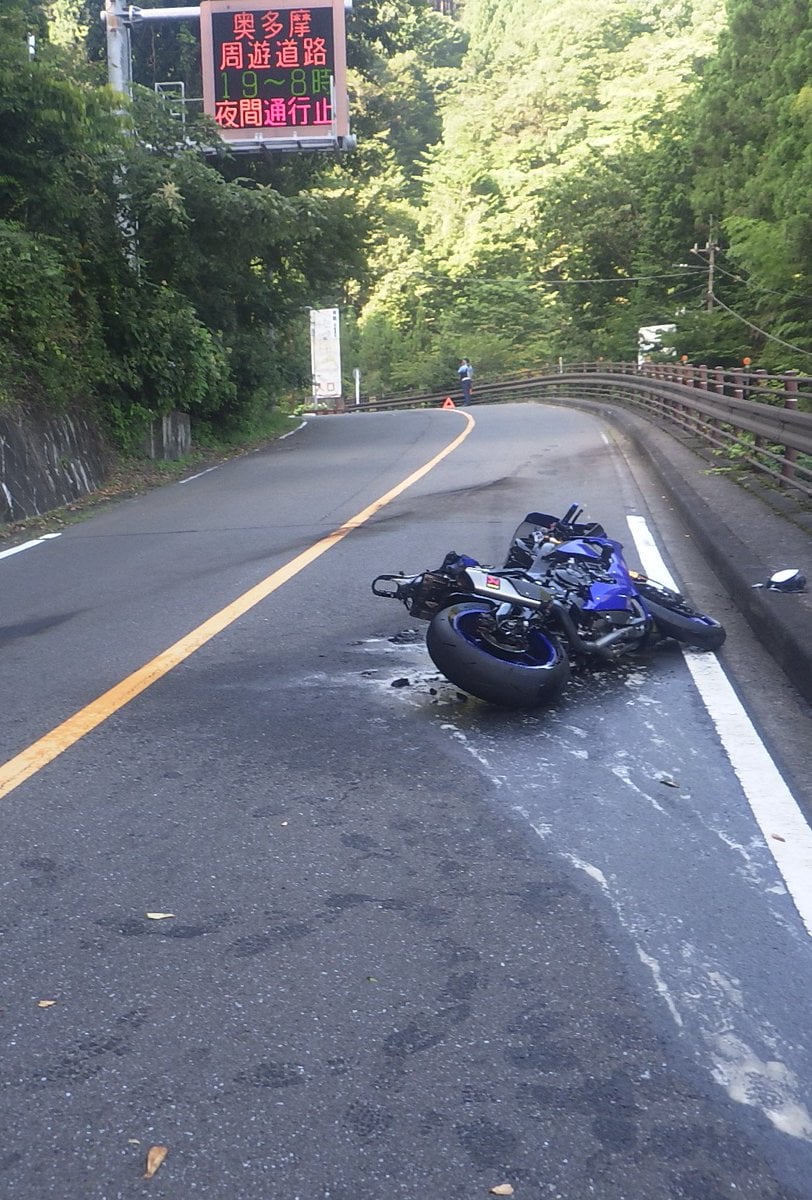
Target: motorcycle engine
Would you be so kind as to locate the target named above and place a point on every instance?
(610, 632)
(572, 579)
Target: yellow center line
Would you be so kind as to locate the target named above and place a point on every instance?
(36, 756)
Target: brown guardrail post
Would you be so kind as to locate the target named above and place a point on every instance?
(790, 402)
(674, 373)
(692, 379)
(718, 387)
(661, 401)
(760, 390)
(737, 388)
(685, 376)
(704, 382)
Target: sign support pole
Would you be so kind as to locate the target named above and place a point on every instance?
(119, 55)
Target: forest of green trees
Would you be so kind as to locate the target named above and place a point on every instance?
(534, 180)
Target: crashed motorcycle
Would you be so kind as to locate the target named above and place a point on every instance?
(564, 595)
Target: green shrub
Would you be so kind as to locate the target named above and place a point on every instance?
(46, 350)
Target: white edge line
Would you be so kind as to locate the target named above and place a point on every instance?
(200, 474)
(28, 545)
(291, 432)
(778, 815)
(217, 466)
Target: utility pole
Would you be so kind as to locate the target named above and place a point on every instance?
(710, 248)
(119, 54)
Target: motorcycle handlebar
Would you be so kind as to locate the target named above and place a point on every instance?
(572, 514)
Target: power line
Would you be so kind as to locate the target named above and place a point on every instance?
(623, 278)
(760, 287)
(763, 332)
(748, 282)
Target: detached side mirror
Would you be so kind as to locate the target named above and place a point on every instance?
(789, 580)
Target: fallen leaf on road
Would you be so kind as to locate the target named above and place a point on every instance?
(159, 916)
(45, 1003)
(502, 1189)
(155, 1156)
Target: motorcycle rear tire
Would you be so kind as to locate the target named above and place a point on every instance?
(676, 619)
(527, 680)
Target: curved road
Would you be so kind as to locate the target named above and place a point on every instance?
(416, 945)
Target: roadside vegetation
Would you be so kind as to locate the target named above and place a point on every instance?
(533, 181)
(586, 149)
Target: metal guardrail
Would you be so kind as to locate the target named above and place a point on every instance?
(747, 418)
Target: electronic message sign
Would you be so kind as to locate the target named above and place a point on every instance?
(275, 74)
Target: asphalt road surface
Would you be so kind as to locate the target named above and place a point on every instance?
(401, 944)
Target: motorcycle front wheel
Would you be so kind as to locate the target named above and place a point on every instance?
(676, 619)
(459, 646)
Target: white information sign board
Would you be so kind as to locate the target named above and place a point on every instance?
(325, 353)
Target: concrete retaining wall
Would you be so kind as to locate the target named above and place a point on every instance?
(169, 437)
(46, 461)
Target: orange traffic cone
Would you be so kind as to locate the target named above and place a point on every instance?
(448, 403)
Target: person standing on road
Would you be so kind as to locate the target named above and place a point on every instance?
(466, 373)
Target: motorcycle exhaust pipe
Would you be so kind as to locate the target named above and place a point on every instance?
(618, 635)
(572, 633)
(603, 646)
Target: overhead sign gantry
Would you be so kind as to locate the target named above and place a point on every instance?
(274, 77)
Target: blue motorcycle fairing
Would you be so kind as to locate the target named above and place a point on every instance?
(605, 596)
(454, 561)
(591, 548)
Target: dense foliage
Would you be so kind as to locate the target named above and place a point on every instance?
(586, 150)
(535, 179)
(138, 274)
